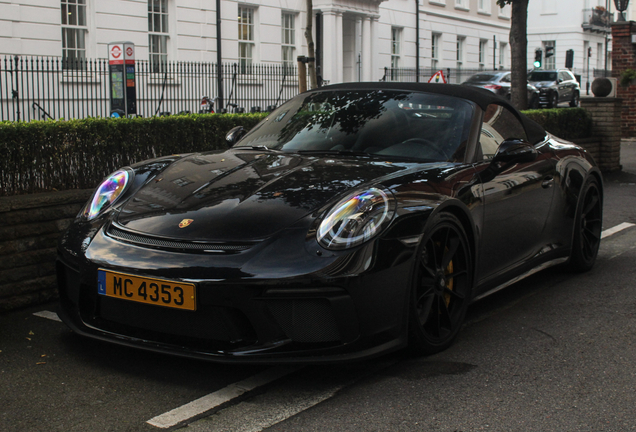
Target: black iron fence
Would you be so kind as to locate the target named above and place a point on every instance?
(36, 88)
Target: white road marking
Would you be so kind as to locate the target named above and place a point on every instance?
(213, 400)
(48, 314)
(288, 399)
(610, 231)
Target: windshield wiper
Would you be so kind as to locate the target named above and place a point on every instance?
(336, 152)
(259, 148)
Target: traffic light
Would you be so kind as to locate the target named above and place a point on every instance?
(549, 51)
(538, 54)
(569, 59)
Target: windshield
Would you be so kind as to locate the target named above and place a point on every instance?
(542, 76)
(481, 78)
(396, 124)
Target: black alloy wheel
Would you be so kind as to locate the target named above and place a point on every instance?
(575, 100)
(442, 284)
(587, 227)
(554, 100)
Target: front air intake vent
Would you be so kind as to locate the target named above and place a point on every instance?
(160, 243)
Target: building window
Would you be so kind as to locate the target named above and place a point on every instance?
(435, 47)
(246, 38)
(484, 6)
(550, 62)
(503, 49)
(483, 52)
(158, 35)
(395, 47)
(460, 51)
(504, 12)
(599, 56)
(288, 39)
(461, 4)
(73, 32)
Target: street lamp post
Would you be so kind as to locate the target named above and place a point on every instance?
(621, 6)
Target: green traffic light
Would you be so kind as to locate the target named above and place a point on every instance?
(537, 64)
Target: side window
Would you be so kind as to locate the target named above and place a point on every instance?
(499, 124)
(563, 76)
(506, 78)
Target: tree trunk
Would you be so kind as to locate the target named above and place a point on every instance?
(311, 54)
(519, 50)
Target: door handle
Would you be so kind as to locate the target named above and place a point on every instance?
(547, 182)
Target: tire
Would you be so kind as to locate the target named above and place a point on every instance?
(554, 100)
(441, 286)
(587, 227)
(575, 100)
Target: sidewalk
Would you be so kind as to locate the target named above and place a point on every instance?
(628, 155)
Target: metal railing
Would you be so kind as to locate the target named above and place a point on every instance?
(597, 19)
(37, 88)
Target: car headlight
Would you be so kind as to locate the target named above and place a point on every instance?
(108, 192)
(356, 218)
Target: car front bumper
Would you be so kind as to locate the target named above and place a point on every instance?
(251, 307)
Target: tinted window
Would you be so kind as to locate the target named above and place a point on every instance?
(394, 124)
(542, 76)
(499, 124)
(481, 77)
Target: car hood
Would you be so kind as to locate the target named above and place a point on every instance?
(242, 195)
(539, 84)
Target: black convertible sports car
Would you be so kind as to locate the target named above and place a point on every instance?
(354, 220)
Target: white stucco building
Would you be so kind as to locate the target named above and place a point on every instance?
(583, 26)
(355, 39)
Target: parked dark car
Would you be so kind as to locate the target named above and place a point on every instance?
(354, 220)
(555, 87)
(499, 83)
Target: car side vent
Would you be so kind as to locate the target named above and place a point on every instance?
(142, 240)
(305, 320)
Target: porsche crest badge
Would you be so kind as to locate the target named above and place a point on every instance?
(184, 223)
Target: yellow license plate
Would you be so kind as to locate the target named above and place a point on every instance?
(160, 292)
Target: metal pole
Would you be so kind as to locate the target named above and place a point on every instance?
(219, 57)
(587, 85)
(417, 40)
(494, 52)
(607, 6)
(15, 93)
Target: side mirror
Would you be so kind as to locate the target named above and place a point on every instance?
(515, 151)
(234, 135)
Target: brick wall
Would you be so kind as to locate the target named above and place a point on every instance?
(30, 226)
(606, 122)
(624, 57)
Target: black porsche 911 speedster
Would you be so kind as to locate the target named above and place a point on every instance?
(354, 220)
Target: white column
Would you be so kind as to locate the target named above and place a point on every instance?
(329, 62)
(366, 49)
(375, 72)
(338, 78)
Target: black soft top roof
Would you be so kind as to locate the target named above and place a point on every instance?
(481, 97)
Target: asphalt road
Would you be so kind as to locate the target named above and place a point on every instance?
(555, 352)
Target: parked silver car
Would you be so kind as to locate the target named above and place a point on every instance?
(499, 83)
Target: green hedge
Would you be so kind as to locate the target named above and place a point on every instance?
(57, 155)
(566, 123)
